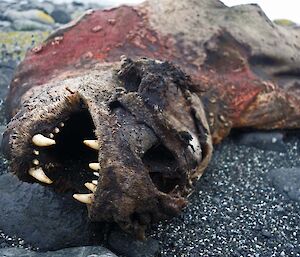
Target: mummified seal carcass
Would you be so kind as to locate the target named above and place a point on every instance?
(122, 106)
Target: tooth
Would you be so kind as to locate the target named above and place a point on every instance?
(36, 152)
(56, 130)
(51, 135)
(95, 182)
(91, 186)
(84, 198)
(92, 144)
(41, 140)
(61, 124)
(96, 174)
(39, 174)
(36, 162)
(94, 166)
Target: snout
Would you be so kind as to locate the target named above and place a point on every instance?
(127, 139)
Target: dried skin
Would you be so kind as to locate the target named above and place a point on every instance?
(154, 125)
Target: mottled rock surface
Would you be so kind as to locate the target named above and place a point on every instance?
(88, 251)
(39, 15)
(287, 181)
(272, 141)
(45, 219)
(124, 244)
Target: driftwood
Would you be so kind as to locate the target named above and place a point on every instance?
(150, 89)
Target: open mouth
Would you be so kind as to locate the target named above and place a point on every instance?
(129, 155)
(66, 155)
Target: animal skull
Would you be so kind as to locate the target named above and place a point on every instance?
(127, 139)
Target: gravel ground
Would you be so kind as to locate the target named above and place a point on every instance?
(235, 210)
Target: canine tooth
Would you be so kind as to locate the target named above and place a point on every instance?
(92, 144)
(94, 166)
(96, 174)
(36, 152)
(91, 187)
(56, 130)
(95, 182)
(36, 162)
(40, 140)
(51, 135)
(40, 175)
(84, 198)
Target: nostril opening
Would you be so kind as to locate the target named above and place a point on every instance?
(133, 82)
(115, 105)
(131, 79)
(163, 168)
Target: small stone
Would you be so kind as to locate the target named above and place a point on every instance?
(89, 251)
(286, 181)
(60, 16)
(124, 244)
(272, 141)
(28, 25)
(4, 24)
(32, 15)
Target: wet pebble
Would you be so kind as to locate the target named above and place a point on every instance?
(60, 16)
(36, 14)
(262, 140)
(286, 181)
(42, 218)
(124, 244)
(87, 251)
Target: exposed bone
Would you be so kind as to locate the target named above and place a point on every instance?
(195, 146)
(91, 186)
(36, 162)
(40, 140)
(84, 198)
(40, 175)
(96, 174)
(92, 144)
(94, 166)
(95, 182)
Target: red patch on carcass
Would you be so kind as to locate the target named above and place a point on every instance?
(101, 36)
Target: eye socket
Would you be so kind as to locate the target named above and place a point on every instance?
(163, 168)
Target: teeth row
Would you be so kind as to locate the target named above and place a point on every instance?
(40, 140)
(39, 174)
(89, 198)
